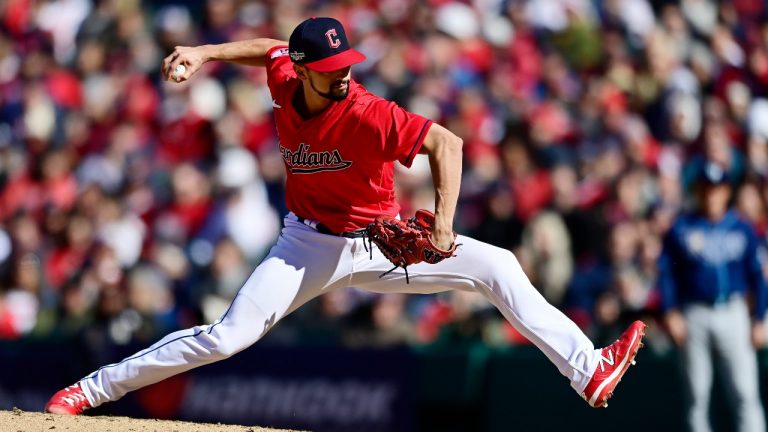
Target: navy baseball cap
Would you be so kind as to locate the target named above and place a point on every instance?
(321, 44)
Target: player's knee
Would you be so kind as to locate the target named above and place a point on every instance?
(503, 262)
(229, 343)
(229, 347)
(502, 266)
(226, 349)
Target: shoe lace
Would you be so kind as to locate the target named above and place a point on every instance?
(75, 397)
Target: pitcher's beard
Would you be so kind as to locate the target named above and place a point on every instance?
(334, 95)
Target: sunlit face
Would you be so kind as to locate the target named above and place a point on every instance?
(332, 85)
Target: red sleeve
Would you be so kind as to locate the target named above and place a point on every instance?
(404, 132)
(279, 68)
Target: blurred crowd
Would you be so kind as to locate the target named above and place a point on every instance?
(130, 206)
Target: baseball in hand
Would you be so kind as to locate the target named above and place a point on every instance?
(179, 71)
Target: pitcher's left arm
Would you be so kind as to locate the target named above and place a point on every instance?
(444, 150)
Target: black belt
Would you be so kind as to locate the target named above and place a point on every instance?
(362, 232)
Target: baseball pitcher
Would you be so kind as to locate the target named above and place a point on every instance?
(339, 143)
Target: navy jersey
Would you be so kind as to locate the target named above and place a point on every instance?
(707, 262)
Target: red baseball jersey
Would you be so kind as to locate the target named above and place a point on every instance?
(340, 163)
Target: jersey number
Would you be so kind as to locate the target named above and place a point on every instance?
(333, 38)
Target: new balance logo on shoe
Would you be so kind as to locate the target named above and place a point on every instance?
(610, 360)
(613, 363)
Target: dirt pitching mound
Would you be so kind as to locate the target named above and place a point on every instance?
(22, 421)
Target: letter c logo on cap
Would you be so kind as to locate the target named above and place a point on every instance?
(333, 38)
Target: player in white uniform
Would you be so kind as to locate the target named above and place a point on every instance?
(339, 143)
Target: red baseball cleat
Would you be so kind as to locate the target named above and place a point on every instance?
(70, 401)
(615, 359)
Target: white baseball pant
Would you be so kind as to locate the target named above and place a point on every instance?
(304, 264)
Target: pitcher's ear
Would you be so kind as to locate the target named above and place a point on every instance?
(301, 71)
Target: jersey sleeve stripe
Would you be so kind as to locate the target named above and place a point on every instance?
(417, 144)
